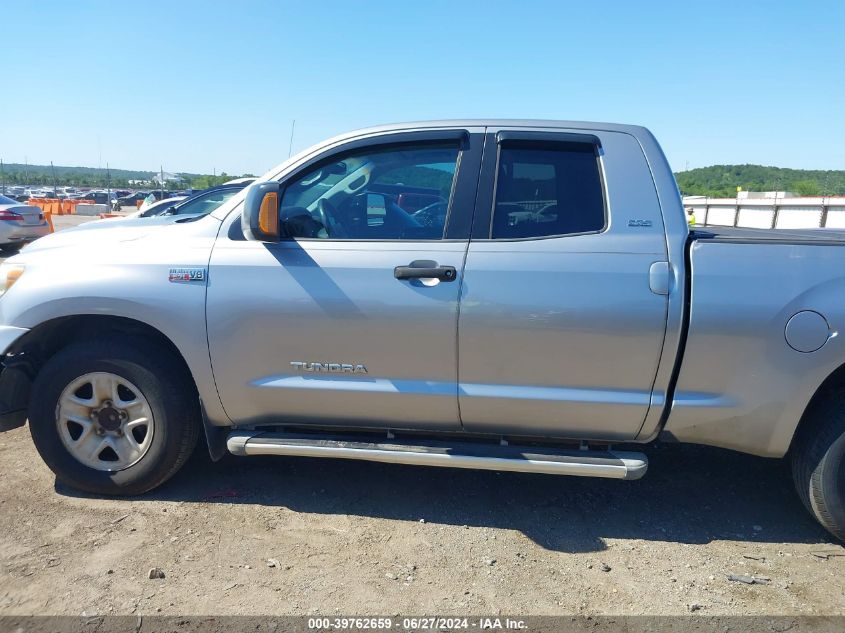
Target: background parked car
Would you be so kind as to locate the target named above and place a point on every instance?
(200, 204)
(20, 223)
(156, 208)
(132, 198)
(42, 193)
(100, 197)
(156, 195)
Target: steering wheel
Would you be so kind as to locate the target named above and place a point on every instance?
(327, 214)
(433, 215)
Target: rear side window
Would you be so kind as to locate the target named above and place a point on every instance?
(545, 189)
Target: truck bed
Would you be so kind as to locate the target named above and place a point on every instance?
(746, 235)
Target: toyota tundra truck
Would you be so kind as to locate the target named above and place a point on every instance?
(546, 309)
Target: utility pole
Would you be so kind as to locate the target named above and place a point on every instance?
(161, 175)
(775, 209)
(53, 170)
(108, 186)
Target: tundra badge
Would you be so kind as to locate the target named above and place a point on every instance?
(334, 368)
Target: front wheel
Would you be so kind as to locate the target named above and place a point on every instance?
(115, 417)
(818, 462)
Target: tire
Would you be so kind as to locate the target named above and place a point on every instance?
(818, 462)
(163, 386)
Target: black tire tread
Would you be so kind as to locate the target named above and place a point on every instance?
(811, 454)
(171, 378)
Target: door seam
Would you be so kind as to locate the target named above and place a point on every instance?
(461, 285)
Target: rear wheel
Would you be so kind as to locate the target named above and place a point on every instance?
(818, 462)
(117, 416)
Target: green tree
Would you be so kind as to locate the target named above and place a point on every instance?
(722, 180)
(806, 187)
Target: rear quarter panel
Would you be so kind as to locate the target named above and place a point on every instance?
(741, 386)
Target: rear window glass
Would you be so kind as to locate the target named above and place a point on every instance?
(5, 200)
(545, 189)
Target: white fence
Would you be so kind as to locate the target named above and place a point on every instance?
(769, 213)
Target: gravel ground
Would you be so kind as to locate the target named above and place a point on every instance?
(302, 536)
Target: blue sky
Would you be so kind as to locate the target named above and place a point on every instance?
(199, 86)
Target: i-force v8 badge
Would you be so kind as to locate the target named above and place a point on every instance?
(186, 274)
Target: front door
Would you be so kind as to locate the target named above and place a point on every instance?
(560, 333)
(352, 317)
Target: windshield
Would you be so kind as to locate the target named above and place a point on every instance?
(159, 207)
(204, 204)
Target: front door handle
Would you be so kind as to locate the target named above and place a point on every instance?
(425, 270)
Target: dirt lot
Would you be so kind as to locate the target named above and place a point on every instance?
(301, 536)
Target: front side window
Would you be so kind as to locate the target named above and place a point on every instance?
(392, 193)
(545, 189)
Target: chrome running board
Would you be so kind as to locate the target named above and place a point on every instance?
(421, 452)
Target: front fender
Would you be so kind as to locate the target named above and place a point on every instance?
(137, 289)
(8, 335)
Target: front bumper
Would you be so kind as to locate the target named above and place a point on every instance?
(15, 381)
(15, 386)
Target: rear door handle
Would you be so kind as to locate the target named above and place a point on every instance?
(425, 270)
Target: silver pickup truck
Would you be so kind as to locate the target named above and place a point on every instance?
(509, 295)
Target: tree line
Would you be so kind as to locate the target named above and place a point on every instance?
(721, 181)
(717, 181)
(62, 176)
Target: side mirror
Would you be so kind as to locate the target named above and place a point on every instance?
(260, 215)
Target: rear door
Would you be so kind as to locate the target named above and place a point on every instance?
(560, 332)
(352, 319)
